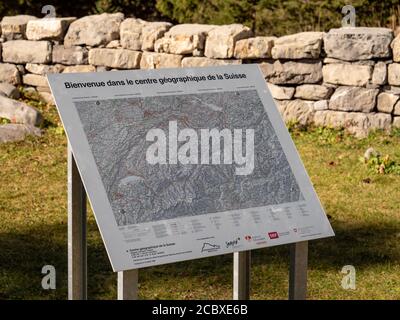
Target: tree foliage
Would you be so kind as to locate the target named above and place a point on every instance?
(78, 8)
(277, 17)
(269, 17)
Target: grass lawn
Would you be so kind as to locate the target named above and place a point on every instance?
(363, 207)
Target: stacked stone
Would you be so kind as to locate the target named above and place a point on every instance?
(360, 63)
(294, 76)
(343, 78)
(27, 50)
(347, 77)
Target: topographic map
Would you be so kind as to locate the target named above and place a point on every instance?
(141, 192)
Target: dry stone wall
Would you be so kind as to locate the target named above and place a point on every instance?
(347, 77)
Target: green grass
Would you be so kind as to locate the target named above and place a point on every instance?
(363, 207)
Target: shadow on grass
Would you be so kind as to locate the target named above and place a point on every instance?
(23, 253)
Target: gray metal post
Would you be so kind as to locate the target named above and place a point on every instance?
(128, 285)
(298, 271)
(77, 253)
(241, 275)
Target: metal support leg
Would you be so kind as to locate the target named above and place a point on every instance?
(298, 271)
(77, 255)
(128, 285)
(241, 275)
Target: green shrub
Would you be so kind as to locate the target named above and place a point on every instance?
(275, 17)
(382, 164)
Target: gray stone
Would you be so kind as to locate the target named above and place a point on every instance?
(357, 123)
(347, 74)
(43, 69)
(330, 85)
(102, 69)
(9, 73)
(28, 91)
(358, 62)
(47, 97)
(184, 39)
(25, 51)
(152, 60)
(137, 34)
(396, 48)
(353, 99)
(221, 40)
(19, 112)
(79, 68)
(115, 44)
(48, 29)
(299, 111)
(13, 132)
(396, 110)
(387, 101)
(396, 122)
(131, 33)
(151, 32)
(34, 80)
(379, 75)
(392, 89)
(70, 56)
(281, 93)
(254, 48)
(21, 68)
(281, 105)
(9, 90)
(313, 92)
(353, 44)
(394, 74)
(291, 72)
(189, 62)
(304, 45)
(354, 122)
(370, 152)
(380, 121)
(321, 105)
(94, 30)
(115, 58)
(43, 89)
(14, 27)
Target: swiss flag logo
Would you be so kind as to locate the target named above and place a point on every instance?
(273, 235)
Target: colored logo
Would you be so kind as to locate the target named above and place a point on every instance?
(273, 235)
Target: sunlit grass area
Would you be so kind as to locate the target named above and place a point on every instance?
(362, 204)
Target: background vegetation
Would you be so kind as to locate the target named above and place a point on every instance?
(267, 17)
